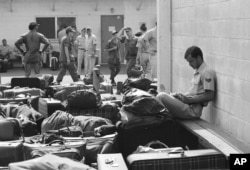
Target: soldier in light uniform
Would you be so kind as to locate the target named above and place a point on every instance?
(202, 90)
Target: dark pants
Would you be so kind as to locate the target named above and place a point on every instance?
(130, 64)
(3, 65)
(72, 71)
(114, 70)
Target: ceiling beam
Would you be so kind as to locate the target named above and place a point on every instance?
(54, 5)
(139, 6)
(11, 7)
(97, 5)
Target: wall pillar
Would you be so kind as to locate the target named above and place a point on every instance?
(164, 66)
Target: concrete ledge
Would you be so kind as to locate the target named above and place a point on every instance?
(215, 137)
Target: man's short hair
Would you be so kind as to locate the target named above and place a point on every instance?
(194, 51)
(33, 25)
(143, 27)
(128, 29)
(4, 40)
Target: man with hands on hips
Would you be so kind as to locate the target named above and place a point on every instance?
(202, 90)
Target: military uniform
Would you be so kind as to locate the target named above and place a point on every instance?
(130, 53)
(64, 66)
(113, 58)
(203, 79)
(32, 41)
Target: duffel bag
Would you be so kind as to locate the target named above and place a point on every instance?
(49, 162)
(9, 129)
(71, 131)
(31, 120)
(100, 145)
(84, 99)
(107, 110)
(134, 94)
(61, 92)
(27, 111)
(63, 148)
(89, 123)
(139, 83)
(57, 120)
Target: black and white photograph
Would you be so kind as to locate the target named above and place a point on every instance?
(124, 84)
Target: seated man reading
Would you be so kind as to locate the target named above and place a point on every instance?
(202, 90)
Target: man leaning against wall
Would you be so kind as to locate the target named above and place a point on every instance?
(190, 105)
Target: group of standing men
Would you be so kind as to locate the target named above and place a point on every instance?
(140, 49)
(143, 49)
(82, 46)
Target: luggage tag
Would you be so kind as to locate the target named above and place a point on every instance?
(112, 162)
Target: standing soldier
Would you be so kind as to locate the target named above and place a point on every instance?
(113, 59)
(32, 41)
(130, 48)
(66, 58)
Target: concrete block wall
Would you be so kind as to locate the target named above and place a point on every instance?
(222, 29)
(15, 23)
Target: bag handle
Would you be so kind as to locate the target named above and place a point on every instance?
(156, 142)
(56, 141)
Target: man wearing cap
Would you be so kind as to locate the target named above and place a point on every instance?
(114, 58)
(32, 41)
(130, 48)
(66, 58)
(81, 46)
(89, 61)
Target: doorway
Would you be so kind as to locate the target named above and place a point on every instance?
(110, 23)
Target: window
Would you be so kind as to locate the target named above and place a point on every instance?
(50, 26)
(47, 27)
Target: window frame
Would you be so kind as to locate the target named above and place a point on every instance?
(56, 20)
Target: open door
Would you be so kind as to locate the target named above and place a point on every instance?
(108, 24)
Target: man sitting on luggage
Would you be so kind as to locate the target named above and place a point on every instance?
(202, 90)
(5, 52)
